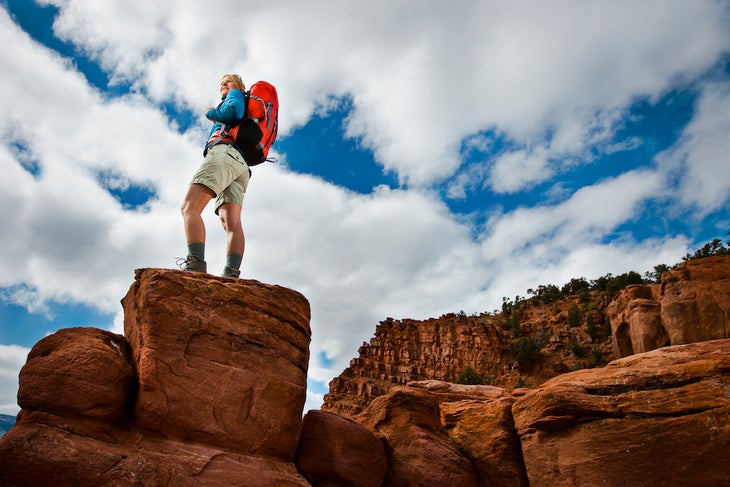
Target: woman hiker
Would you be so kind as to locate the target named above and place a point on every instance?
(223, 175)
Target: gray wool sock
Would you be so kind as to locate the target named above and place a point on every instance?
(197, 249)
(234, 260)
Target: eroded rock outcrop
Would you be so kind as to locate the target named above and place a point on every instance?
(220, 362)
(657, 418)
(691, 304)
(207, 389)
(478, 420)
(695, 299)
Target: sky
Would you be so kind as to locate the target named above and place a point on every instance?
(433, 157)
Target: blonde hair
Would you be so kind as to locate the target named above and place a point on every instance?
(236, 79)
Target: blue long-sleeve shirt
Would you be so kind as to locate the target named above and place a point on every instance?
(229, 111)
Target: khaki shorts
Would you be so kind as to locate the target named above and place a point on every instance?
(225, 173)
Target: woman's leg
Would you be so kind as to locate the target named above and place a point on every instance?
(195, 201)
(230, 215)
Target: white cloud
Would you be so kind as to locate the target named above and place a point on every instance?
(587, 216)
(704, 150)
(421, 86)
(552, 244)
(517, 170)
(12, 358)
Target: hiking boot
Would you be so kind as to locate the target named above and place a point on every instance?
(229, 271)
(192, 263)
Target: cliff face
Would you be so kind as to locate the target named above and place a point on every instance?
(692, 303)
(403, 351)
(410, 350)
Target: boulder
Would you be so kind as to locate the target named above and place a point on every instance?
(658, 418)
(335, 451)
(78, 372)
(221, 362)
(483, 431)
(418, 449)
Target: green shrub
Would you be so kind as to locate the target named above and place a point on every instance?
(591, 328)
(710, 249)
(656, 276)
(515, 325)
(574, 316)
(470, 376)
(619, 282)
(511, 322)
(576, 348)
(595, 357)
(525, 351)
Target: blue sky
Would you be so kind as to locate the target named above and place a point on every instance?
(433, 158)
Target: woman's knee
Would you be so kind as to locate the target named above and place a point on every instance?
(196, 199)
(230, 216)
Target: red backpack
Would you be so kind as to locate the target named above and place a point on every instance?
(256, 132)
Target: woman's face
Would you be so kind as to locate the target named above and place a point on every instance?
(227, 84)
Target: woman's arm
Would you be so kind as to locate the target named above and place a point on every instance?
(230, 110)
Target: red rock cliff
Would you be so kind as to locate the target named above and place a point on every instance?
(692, 303)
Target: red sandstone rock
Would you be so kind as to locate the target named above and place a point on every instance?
(222, 374)
(478, 419)
(484, 432)
(78, 372)
(636, 321)
(447, 391)
(220, 362)
(204, 346)
(658, 418)
(410, 350)
(336, 451)
(36, 455)
(419, 451)
(696, 300)
(692, 304)
(442, 348)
